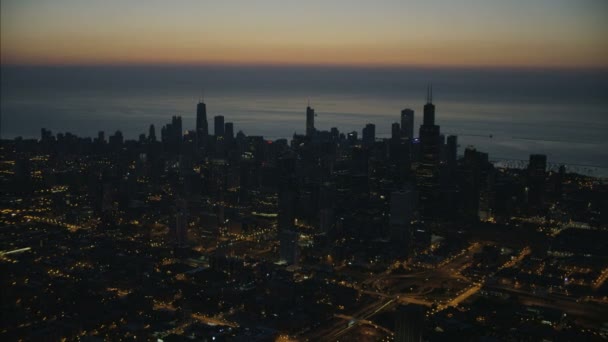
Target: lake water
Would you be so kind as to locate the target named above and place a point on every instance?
(561, 113)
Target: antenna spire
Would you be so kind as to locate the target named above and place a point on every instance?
(431, 98)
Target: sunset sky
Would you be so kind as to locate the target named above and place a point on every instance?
(522, 33)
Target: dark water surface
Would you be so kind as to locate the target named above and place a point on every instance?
(561, 113)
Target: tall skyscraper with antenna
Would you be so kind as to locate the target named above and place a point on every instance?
(427, 173)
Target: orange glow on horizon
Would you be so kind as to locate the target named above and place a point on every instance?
(429, 33)
(447, 54)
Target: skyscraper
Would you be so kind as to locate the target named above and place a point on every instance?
(427, 173)
(536, 180)
(310, 121)
(287, 207)
(395, 131)
(152, 134)
(219, 126)
(181, 222)
(402, 206)
(202, 127)
(452, 152)
(369, 134)
(229, 130)
(101, 137)
(407, 123)
(176, 121)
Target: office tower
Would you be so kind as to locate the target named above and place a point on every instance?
(452, 151)
(45, 135)
(402, 207)
(287, 209)
(427, 173)
(116, 140)
(219, 126)
(395, 131)
(152, 134)
(352, 137)
(537, 169)
(229, 130)
(409, 323)
(326, 203)
(399, 159)
(202, 127)
(101, 137)
(369, 134)
(310, 121)
(171, 134)
(407, 123)
(181, 222)
(470, 178)
(335, 134)
(176, 122)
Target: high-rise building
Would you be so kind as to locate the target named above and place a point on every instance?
(427, 173)
(101, 138)
(219, 126)
(181, 222)
(399, 157)
(395, 131)
(202, 127)
(310, 121)
(368, 135)
(287, 209)
(229, 130)
(152, 134)
(407, 123)
(402, 207)
(470, 182)
(537, 169)
(45, 135)
(452, 151)
(352, 137)
(335, 133)
(171, 134)
(176, 122)
(116, 140)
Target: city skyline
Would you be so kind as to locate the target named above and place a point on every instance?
(281, 170)
(472, 33)
(329, 235)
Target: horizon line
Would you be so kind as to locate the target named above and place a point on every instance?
(315, 65)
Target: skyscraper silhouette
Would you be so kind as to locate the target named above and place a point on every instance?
(407, 123)
(219, 126)
(537, 169)
(287, 196)
(428, 170)
(310, 121)
(395, 131)
(152, 134)
(202, 127)
(369, 134)
(229, 130)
